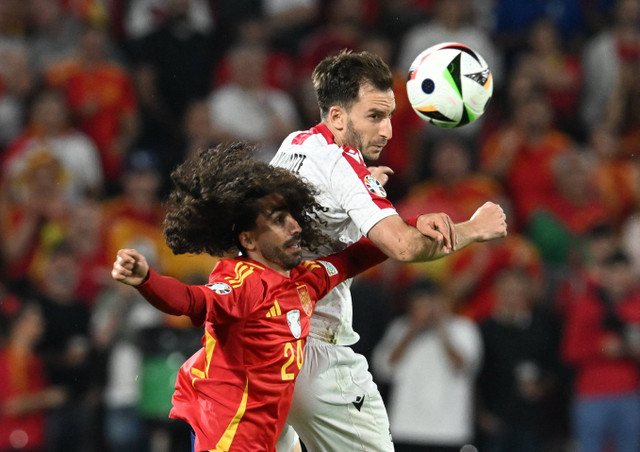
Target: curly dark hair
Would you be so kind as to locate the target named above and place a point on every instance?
(217, 194)
(337, 79)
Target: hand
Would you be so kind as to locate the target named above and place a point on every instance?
(381, 173)
(130, 267)
(438, 227)
(489, 222)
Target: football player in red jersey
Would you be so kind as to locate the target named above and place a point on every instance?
(235, 392)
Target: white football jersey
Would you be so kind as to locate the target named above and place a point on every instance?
(354, 201)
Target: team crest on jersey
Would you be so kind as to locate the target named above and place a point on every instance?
(374, 186)
(305, 299)
(293, 320)
(329, 267)
(219, 287)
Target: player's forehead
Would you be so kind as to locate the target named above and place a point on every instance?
(372, 98)
(271, 204)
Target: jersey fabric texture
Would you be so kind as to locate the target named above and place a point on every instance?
(235, 392)
(354, 201)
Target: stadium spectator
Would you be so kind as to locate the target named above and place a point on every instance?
(601, 343)
(556, 71)
(512, 20)
(135, 215)
(172, 67)
(450, 184)
(586, 257)
(16, 86)
(50, 129)
(430, 406)
(67, 352)
(55, 33)
(34, 210)
(569, 211)
(616, 174)
(25, 393)
(519, 155)
(603, 58)
(197, 127)
(101, 98)
(143, 17)
(245, 108)
(520, 370)
(471, 274)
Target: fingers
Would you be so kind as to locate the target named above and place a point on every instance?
(124, 264)
(381, 173)
(440, 228)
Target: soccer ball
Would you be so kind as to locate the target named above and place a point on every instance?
(449, 85)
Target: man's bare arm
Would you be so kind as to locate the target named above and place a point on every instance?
(435, 235)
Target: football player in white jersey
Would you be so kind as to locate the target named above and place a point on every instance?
(337, 406)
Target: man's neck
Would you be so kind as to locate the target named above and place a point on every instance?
(336, 134)
(259, 258)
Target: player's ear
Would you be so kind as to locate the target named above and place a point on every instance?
(247, 240)
(337, 117)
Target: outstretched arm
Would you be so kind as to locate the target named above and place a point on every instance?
(163, 292)
(432, 236)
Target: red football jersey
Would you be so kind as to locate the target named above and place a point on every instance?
(236, 391)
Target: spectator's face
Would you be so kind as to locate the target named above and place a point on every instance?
(51, 112)
(368, 122)
(512, 293)
(451, 161)
(29, 326)
(618, 279)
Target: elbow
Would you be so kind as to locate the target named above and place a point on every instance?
(401, 252)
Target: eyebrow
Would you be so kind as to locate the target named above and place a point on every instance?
(381, 112)
(276, 210)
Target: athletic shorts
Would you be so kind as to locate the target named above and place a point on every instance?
(336, 405)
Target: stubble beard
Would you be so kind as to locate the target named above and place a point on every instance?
(279, 256)
(354, 139)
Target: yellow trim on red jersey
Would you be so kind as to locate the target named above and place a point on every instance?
(242, 271)
(311, 265)
(275, 310)
(227, 438)
(210, 344)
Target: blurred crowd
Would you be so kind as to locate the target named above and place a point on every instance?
(529, 343)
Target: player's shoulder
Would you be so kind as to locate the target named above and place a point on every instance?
(306, 141)
(317, 266)
(238, 273)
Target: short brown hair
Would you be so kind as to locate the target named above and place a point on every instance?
(337, 79)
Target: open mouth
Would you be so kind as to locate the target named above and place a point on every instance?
(293, 245)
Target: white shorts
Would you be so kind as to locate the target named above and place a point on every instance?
(336, 405)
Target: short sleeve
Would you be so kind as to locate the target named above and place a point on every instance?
(359, 193)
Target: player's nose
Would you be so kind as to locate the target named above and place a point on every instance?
(386, 130)
(293, 226)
